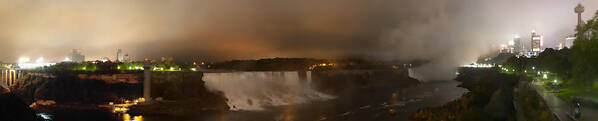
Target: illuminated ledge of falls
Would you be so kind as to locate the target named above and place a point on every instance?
(256, 90)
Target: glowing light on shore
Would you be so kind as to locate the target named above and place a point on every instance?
(33, 65)
(67, 59)
(476, 65)
(24, 60)
(40, 60)
(24, 63)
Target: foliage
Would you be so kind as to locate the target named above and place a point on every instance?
(583, 54)
(271, 64)
(520, 63)
(531, 105)
(490, 99)
(69, 88)
(14, 109)
(555, 61)
(99, 67)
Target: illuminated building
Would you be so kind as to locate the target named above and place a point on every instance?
(504, 49)
(77, 56)
(126, 58)
(518, 47)
(119, 55)
(514, 46)
(537, 42)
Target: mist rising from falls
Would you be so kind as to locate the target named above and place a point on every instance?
(256, 90)
(413, 74)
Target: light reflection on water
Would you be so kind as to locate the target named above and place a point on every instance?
(127, 117)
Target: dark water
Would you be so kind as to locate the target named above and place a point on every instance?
(367, 104)
(370, 105)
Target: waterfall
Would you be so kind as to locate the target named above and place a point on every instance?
(413, 74)
(257, 90)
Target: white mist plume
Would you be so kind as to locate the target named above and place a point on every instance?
(257, 90)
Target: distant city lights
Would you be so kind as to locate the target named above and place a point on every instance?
(24, 63)
(67, 59)
(23, 60)
(39, 60)
(476, 65)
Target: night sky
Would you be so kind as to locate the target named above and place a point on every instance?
(455, 31)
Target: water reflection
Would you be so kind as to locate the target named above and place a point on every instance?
(127, 117)
(121, 109)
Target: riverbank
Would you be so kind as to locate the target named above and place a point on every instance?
(64, 95)
(490, 97)
(493, 96)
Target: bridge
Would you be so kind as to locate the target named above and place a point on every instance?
(9, 76)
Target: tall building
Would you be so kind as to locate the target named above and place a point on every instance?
(127, 58)
(504, 49)
(119, 55)
(77, 56)
(517, 45)
(537, 42)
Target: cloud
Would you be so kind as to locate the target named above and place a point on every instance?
(452, 32)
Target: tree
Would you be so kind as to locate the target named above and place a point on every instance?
(584, 54)
(555, 61)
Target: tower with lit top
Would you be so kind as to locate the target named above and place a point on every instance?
(579, 9)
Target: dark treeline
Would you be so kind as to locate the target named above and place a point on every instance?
(13, 108)
(490, 98)
(271, 64)
(71, 89)
(290, 64)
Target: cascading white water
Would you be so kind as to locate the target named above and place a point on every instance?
(413, 74)
(255, 90)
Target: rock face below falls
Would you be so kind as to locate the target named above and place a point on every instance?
(177, 89)
(183, 94)
(341, 81)
(15, 109)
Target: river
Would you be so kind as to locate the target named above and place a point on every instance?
(371, 105)
(263, 100)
